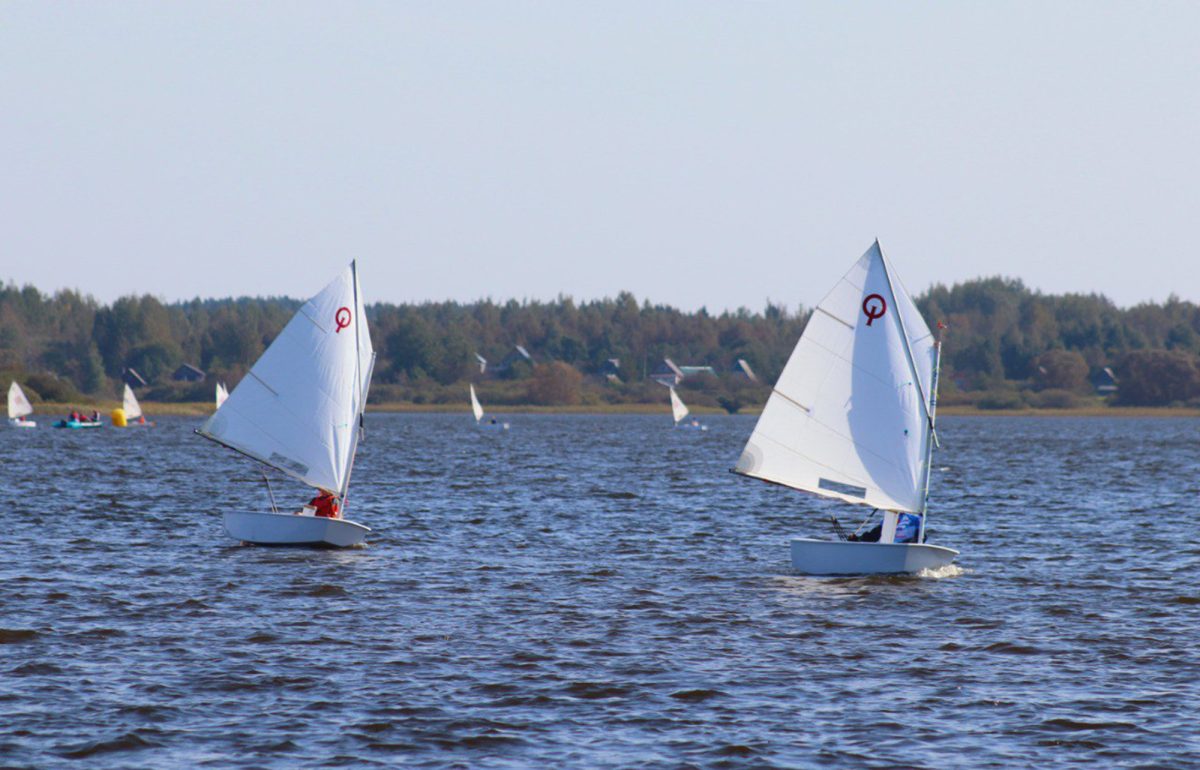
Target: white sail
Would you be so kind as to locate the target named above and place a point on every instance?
(850, 417)
(18, 405)
(299, 408)
(679, 410)
(476, 407)
(222, 394)
(132, 408)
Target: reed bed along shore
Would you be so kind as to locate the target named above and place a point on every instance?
(200, 409)
(1079, 411)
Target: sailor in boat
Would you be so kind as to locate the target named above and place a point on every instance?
(908, 528)
(325, 505)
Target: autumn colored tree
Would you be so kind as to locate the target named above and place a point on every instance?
(1157, 377)
(555, 384)
(1061, 370)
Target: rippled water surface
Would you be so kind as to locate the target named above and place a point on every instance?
(598, 592)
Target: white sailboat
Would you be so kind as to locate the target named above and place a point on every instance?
(132, 409)
(222, 394)
(852, 418)
(19, 408)
(476, 407)
(679, 411)
(477, 410)
(300, 410)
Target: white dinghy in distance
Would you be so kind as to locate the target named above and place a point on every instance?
(679, 411)
(132, 410)
(19, 408)
(129, 403)
(222, 394)
(477, 410)
(300, 410)
(852, 418)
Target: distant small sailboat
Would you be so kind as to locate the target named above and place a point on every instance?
(477, 410)
(19, 408)
(679, 411)
(131, 411)
(222, 394)
(476, 407)
(300, 411)
(852, 418)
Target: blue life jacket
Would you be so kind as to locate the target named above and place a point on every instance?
(908, 528)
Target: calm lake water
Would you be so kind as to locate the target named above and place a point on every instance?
(598, 592)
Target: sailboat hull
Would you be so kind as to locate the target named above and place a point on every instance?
(14, 422)
(825, 557)
(292, 529)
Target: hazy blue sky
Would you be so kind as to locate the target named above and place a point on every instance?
(694, 153)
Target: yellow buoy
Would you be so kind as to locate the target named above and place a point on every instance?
(118, 418)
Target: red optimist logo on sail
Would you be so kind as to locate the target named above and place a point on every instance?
(342, 318)
(874, 306)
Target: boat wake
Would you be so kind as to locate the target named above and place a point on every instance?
(948, 571)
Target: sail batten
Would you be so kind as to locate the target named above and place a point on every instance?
(844, 421)
(298, 410)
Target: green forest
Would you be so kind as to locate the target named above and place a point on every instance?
(1006, 346)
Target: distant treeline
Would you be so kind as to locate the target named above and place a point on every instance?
(1006, 345)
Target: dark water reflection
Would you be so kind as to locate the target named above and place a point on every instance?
(598, 592)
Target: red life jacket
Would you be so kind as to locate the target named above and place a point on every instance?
(326, 505)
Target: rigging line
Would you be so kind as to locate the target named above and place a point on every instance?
(867, 520)
(270, 492)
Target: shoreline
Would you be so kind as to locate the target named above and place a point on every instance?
(202, 409)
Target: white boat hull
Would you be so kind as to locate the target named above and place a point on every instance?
(16, 423)
(826, 557)
(292, 529)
